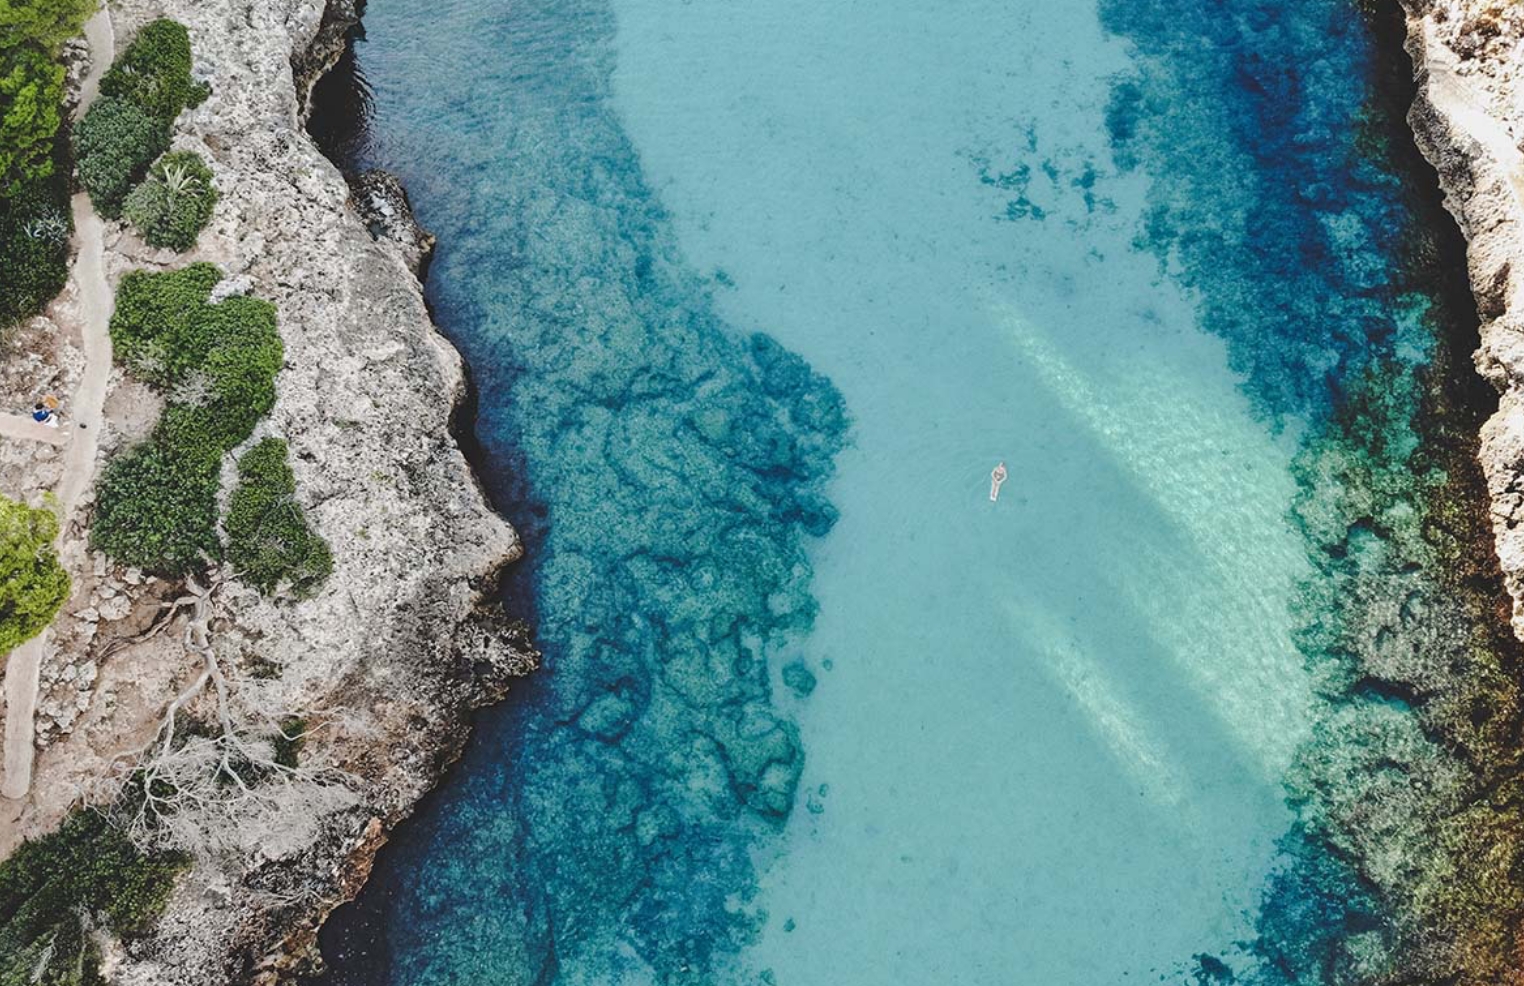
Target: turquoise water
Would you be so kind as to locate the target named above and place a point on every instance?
(755, 296)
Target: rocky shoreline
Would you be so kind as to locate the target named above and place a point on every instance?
(405, 641)
(1468, 119)
(406, 638)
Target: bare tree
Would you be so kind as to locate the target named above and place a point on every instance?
(213, 777)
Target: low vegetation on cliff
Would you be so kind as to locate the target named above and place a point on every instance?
(34, 167)
(216, 366)
(33, 585)
(174, 203)
(57, 892)
(129, 126)
(269, 540)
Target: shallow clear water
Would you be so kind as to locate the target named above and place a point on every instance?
(1064, 712)
(728, 273)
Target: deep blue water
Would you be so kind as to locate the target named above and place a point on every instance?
(754, 297)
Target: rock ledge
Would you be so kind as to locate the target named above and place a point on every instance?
(1468, 118)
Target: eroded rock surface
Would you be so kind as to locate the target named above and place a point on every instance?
(1468, 56)
(382, 202)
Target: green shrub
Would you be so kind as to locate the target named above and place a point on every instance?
(154, 331)
(157, 508)
(34, 247)
(31, 89)
(174, 203)
(157, 504)
(129, 126)
(241, 366)
(114, 144)
(155, 72)
(36, 265)
(269, 540)
(87, 868)
(33, 585)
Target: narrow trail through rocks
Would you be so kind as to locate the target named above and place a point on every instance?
(81, 436)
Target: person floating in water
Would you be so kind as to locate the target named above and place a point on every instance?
(997, 476)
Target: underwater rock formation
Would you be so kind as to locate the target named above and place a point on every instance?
(668, 467)
(1401, 865)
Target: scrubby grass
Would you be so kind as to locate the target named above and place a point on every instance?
(151, 329)
(157, 509)
(33, 585)
(154, 71)
(53, 889)
(216, 365)
(129, 126)
(174, 203)
(269, 541)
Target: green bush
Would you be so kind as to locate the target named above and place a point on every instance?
(34, 246)
(36, 265)
(50, 886)
(31, 84)
(241, 367)
(33, 585)
(155, 72)
(129, 126)
(157, 508)
(174, 203)
(269, 540)
(154, 330)
(157, 504)
(114, 144)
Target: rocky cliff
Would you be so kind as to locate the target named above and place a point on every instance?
(1468, 117)
(383, 666)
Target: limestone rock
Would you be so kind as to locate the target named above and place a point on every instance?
(382, 202)
(1468, 58)
(398, 645)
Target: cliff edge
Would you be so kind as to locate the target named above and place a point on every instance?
(1468, 118)
(381, 667)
